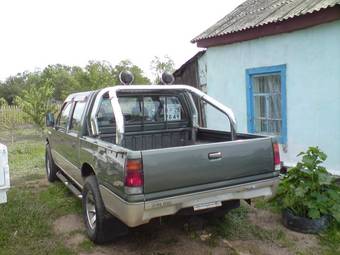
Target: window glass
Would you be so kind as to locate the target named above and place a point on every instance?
(105, 116)
(64, 116)
(267, 103)
(154, 108)
(150, 109)
(131, 109)
(77, 115)
(174, 109)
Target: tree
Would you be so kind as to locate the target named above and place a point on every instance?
(60, 78)
(35, 102)
(13, 87)
(160, 65)
(100, 74)
(3, 102)
(127, 65)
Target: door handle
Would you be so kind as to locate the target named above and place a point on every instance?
(214, 155)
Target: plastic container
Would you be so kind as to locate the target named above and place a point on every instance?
(4, 174)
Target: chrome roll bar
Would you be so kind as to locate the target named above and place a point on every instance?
(119, 118)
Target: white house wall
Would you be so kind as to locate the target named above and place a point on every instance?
(312, 57)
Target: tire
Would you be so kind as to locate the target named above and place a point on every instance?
(100, 226)
(304, 225)
(51, 168)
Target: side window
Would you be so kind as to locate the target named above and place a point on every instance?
(266, 96)
(105, 116)
(64, 116)
(77, 116)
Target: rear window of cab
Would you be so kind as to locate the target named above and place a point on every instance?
(143, 110)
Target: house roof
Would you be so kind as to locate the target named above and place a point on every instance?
(257, 13)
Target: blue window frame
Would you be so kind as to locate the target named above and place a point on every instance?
(266, 101)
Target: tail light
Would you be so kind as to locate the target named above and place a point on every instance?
(134, 180)
(277, 161)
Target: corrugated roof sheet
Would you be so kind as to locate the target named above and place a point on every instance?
(255, 13)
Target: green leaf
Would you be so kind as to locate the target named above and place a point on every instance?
(335, 211)
(300, 191)
(314, 213)
(325, 178)
(301, 153)
(322, 156)
(333, 194)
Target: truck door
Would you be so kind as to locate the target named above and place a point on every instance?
(57, 138)
(72, 141)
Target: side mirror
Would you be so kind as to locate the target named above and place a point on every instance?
(49, 119)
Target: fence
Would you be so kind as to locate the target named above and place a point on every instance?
(11, 115)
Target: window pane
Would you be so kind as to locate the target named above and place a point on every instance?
(175, 110)
(77, 114)
(267, 83)
(105, 116)
(65, 116)
(259, 106)
(267, 103)
(274, 108)
(154, 109)
(274, 127)
(131, 109)
(260, 125)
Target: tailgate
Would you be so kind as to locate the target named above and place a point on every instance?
(180, 167)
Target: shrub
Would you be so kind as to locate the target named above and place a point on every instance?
(308, 189)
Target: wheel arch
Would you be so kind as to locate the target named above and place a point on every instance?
(87, 170)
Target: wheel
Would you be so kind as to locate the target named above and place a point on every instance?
(100, 226)
(51, 168)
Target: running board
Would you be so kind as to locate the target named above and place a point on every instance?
(69, 185)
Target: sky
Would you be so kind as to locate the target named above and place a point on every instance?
(36, 33)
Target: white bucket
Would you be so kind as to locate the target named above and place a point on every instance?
(4, 173)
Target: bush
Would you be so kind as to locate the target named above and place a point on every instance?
(308, 189)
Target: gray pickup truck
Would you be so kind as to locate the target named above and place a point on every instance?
(134, 153)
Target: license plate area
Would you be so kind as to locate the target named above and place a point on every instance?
(207, 205)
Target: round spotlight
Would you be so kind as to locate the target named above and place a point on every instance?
(167, 78)
(126, 77)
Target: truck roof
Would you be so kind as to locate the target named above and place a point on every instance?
(78, 96)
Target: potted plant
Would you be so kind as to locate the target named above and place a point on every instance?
(309, 195)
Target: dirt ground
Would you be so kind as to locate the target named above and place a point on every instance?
(173, 237)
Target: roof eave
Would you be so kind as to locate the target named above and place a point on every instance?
(289, 25)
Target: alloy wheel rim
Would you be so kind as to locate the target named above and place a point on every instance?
(91, 210)
(48, 166)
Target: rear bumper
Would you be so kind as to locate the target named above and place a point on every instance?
(135, 214)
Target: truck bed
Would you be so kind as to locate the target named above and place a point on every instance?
(175, 158)
(167, 138)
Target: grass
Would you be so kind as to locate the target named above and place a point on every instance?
(26, 160)
(236, 226)
(27, 218)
